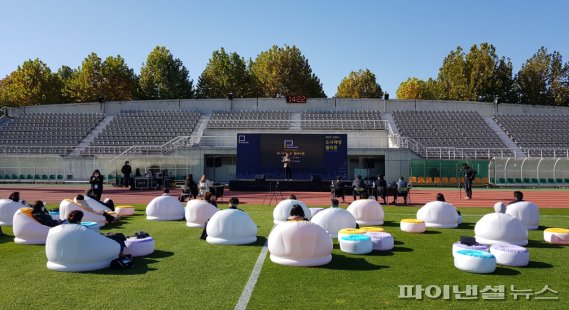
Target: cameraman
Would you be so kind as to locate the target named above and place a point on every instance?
(469, 176)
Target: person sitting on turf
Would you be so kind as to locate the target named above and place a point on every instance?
(40, 214)
(292, 196)
(76, 216)
(518, 196)
(297, 214)
(80, 200)
(440, 197)
(335, 203)
(107, 203)
(233, 203)
(500, 207)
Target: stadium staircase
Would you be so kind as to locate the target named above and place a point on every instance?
(295, 121)
(393, 130)
(91, 136)
(201, 126)
(504, 136)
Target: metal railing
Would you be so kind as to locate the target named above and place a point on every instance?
(320, 124)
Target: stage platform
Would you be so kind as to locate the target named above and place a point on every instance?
(281, 185)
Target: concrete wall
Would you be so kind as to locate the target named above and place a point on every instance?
(207, 106)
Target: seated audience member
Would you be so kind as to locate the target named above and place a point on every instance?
(441, 197)
(338, 189)
(500, 207)
(41, 215)
(166, 192)
(190, 186)
(357, 184)
(401, 190)
(381, 185)
(297, 214)
(15, 197)
(107, 203)
(234, 203)
(204, 185)
(292, 196)
(208, 197)
(75, 217)
(518, 196)
(335, 203)
(80, 200)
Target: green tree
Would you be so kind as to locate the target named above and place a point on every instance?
(414, 88)
(164, 77)
(285, 71)
(544, 79)
(86, 83)
(119, 81)
(478, 74)
(224, 74)
(30, 84)
(66, 74)
(360, 84)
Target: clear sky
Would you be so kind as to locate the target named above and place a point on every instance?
(394, 39)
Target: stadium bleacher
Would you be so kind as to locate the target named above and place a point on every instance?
(250, 119)
(543, 133)
(465, 130)
(46, 133)
(150, 128)
(357, 120)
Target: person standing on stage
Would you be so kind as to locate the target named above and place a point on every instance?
(469, 175)
(126, 172)
(96, 182)
(286, 164)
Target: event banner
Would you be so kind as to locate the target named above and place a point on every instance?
(311, 156)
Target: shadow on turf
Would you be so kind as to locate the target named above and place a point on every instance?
(506, 271)
(141, 265)
(341, 262)
(542, 245)
(391, 252)
(6, 238)
(539, 265)
(259, 243)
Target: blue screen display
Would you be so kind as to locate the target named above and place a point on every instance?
(324, 155)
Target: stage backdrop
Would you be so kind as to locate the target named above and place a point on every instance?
(323, 156)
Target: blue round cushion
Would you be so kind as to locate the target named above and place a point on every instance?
(89, 224)
(355, 237)
(475, 253)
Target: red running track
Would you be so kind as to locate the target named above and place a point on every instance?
(419, 196)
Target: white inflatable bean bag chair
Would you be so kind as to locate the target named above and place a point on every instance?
(475, 261)
(556, 235)
(500, 228)
(300, 243)
(510, 255)
(27, 230)
(367, 212)
(381, 241)
(282, 211)
(71, 247)
(356, 244)
(525, 211)
(198, 212)
(231, 226)
(7, 210)
(438, 214)
(164, 208)
(124, 210)
(461, 246)
(139, 247)
(334, 219)
(95, 205)
(313, 211)
(413, 225)
(67, 205)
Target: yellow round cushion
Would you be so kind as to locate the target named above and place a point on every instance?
(372, 229)
(351, 231)
(557, 230)
(124, 207)
(414, 221)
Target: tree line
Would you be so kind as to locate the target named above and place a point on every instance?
(477, 75)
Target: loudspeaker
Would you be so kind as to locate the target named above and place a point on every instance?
(315, 178)
(386, 96)
(259, 177)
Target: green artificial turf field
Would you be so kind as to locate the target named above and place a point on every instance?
(188, 273)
